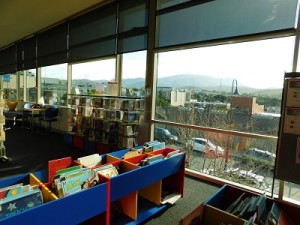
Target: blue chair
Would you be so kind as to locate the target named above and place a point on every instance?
(50, 115)
(26, 115)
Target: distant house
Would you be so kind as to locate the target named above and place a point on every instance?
(246, 105)
(178, 98)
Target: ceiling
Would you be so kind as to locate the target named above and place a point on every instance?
(22, 18)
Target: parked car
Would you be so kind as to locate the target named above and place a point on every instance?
(162, 134)
(204, 145)
(247, 176)
(254, 155)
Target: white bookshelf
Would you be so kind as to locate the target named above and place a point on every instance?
(3, 156)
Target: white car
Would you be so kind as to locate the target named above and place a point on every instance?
(204, 145)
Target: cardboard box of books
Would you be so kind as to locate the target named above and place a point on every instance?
(232, 205)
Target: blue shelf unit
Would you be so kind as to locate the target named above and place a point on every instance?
(136, 192)
(69, 210)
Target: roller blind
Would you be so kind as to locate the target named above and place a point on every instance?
(132, 25)
(20, 63)
(8, 61)
(223, 19)
(29, 53)
(94, 34)
(52, 46)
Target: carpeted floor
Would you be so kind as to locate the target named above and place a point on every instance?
(195, 192)
(29, 151)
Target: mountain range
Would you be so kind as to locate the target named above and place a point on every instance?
(201, 82)
(191, 82)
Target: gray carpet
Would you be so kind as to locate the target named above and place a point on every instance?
(195, 192)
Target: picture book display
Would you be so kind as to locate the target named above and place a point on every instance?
(19, 198)
(72, 180)
(107, 170)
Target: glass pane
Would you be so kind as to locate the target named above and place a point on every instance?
(231, 87)
(86, 76)
(93, 50)
(9, 86)
(134, 73)
(223, 155)
(94, 25)
(223, 19)
(161, 4)
(135, 43)
(133, 14)
(31, 91)
(92, 35)
(291, 192)
(54, 84)
(21, 85)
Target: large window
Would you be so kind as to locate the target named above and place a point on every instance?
(9, 86)
(134, 73)
(54, 84)
(231, 95)
(31, 87)
(88, 77)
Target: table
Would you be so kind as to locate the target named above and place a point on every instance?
(34, 112)
(12, 115)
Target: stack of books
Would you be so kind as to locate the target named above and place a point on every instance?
(73, 179)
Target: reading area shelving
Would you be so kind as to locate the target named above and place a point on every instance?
(3, 156)
(131, 196)
(106, 120)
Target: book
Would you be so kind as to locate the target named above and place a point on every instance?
(154, 158)
(72, 182)
(57, 164)
(90, 160)
(173, 153)
(4, 191)
(250, 221)
(171, 198)
(240, 206)
(260, 207)
(68, 170)
(107, 170)
(278, 215)
(20, 203)
(248, 209)
(232, 206)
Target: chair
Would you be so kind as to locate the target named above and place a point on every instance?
(26, 114)
(50, 115)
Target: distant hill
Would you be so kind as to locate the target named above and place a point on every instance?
(201, 82)
(191, 82)
(134, 83)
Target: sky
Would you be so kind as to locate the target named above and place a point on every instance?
(259, 64)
